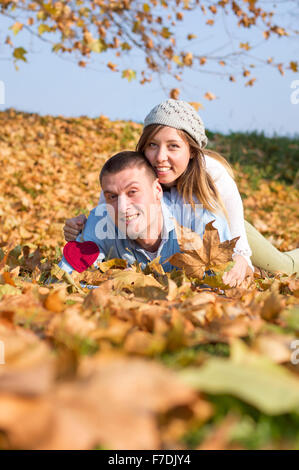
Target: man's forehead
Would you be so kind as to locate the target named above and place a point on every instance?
(124, 178)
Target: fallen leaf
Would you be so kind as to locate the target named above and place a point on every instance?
(29, 366)
(211, 254)
(130, 279)
(249, 376)
(55, 300)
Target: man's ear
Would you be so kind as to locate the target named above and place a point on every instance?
(158, 191)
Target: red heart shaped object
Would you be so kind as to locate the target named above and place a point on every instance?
(81, 255)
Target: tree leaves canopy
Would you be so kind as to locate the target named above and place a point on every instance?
(152, 28)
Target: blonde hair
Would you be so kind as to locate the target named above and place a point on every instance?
(195, 180)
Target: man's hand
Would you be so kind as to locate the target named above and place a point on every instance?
(73, 227)
(236, 275)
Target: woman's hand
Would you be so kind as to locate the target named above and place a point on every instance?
(73, 227)
(236, 275)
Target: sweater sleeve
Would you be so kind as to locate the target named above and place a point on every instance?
(232, 201)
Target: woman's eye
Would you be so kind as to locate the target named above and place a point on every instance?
(151, 144)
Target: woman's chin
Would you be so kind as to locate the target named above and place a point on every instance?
(166, 181)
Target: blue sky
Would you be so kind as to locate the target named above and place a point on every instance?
(48, 84)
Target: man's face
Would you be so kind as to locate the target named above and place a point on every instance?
(133, 201)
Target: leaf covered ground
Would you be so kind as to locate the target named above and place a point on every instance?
(147, 360)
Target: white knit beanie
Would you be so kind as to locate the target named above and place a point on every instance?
(180, 115)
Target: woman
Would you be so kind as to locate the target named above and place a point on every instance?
(173, 140)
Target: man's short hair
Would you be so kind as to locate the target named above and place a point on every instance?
(127, 159)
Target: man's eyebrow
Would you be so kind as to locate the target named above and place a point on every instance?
(132, 182)
(129, 184)
(108, 191)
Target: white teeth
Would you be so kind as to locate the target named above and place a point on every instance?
(130, 217)
(163, 168)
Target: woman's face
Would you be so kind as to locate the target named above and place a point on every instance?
(169, 154)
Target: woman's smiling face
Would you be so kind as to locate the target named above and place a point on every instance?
(169, 154)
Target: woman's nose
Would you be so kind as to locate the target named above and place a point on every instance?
(161, 155)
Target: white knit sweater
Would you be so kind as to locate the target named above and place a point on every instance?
(233, 203)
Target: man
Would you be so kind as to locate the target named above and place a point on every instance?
(137, 221)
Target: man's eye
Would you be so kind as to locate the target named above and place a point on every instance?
(133, 191)
(111, 197)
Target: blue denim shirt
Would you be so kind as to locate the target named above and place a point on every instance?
(112, 243)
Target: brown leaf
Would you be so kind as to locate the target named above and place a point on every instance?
(29, 366)
(55, 300)
(145, 344)
(115, 331)
(273, 304)
(8, 279)
(32, 261)
(113, 263)
(187, 239)
(225, 328)
(209, 96)
(211, 254)
(196, 105)
(131, 280)
(174, 93)
(70, 325)
(276, 346)
(99, 296)
(93, 277)
(24, 420)
(293, 285)
(114, 402)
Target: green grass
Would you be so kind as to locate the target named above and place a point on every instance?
(273, 158)
(187, 356)
(253, 430)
